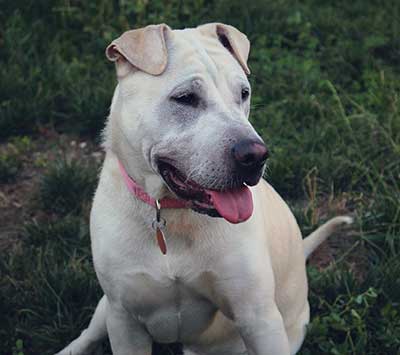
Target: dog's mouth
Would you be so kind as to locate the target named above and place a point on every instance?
(234, 205)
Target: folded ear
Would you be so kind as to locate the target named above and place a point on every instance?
(232, 39)
(142, 49)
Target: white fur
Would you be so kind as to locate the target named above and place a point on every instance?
(221, 288)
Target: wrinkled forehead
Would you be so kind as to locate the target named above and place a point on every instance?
(190, 52)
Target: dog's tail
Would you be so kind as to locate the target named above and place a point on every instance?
(318, 236)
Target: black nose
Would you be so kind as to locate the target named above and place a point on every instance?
(250, 155)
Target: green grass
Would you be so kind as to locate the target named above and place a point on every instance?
(65, 186)
(326, 87)
(10, 165)
(12, 158)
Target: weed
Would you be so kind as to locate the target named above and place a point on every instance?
(10, 165)
(66, 186)
(19, 348)
(349, 317)
(38, 277)
(12, 157)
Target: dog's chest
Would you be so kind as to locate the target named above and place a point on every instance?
(171, 308)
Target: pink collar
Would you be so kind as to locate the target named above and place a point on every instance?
(138, 191)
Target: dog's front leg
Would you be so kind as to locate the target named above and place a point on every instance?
(127, 335)
(261, 328)
(246, 295)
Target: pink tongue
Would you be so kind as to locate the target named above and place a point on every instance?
(234, 205)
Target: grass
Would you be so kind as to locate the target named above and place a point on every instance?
(326, 86)
(65, 187)
(10, 165)
(12, 157)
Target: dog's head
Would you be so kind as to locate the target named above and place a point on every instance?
(179, 118)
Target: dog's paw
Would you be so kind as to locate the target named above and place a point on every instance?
(77, 348)
(344, 220)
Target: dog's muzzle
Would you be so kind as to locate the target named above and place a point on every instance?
(234, 203)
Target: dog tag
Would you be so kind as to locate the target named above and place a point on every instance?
(161, 241)
(158, 225)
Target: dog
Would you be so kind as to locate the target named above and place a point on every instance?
(189, 243)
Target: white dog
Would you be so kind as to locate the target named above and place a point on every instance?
(219, 266)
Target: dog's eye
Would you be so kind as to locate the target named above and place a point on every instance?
(245, 94)
(188, 99)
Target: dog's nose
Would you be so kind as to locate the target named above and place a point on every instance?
(249, 154)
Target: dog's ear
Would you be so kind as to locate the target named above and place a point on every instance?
(142, 49)
(232, 39)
